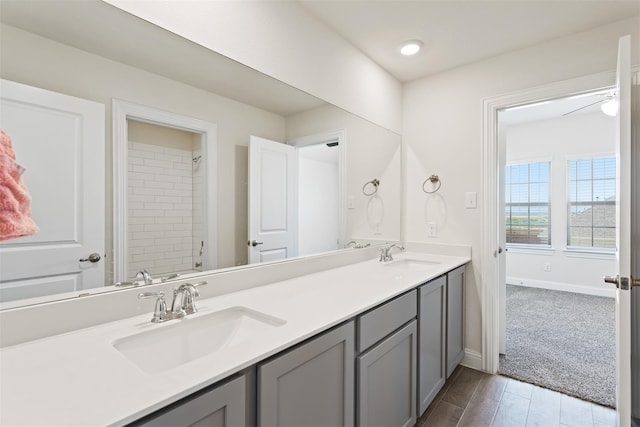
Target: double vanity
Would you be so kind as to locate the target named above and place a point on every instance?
(363, 343)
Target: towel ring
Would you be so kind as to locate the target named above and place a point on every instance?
(433, 179)
(375, 184)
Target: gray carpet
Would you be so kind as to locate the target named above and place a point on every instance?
(562, 341)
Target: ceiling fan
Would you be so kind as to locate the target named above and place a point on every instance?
(609, 104)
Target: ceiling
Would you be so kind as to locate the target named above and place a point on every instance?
(456, 33)
(102, 29)
(557, 108)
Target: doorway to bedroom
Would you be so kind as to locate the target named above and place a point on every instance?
(558, 200)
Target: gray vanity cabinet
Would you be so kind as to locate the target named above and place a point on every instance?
(386, 367)
(455, 318)
(432, 332)
(311, 385)
(220, 406)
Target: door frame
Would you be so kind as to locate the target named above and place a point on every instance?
(489, 239)
(123, 110)
(326, 137)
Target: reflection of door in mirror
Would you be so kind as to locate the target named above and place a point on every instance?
(59, 139)
(164, 221)
(295, 196)
(272, 201)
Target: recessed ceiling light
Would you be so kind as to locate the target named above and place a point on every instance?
(410, 47)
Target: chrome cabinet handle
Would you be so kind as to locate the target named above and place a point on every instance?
(255, 243)
(94, 257)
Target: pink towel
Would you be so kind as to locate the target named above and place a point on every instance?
(15, 202)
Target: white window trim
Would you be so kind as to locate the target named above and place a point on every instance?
(530, 249)
(587, 252)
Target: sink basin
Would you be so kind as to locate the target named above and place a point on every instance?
(181, 341)
(412, 264)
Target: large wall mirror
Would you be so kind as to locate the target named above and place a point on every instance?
(190, 161)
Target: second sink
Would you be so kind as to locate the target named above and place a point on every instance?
(187, 339)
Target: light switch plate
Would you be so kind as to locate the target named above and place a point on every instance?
(471, 200)
(351, 204)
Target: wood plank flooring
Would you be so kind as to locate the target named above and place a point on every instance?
(476, 399)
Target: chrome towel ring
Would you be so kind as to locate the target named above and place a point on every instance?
(435, 180)
(375, 183)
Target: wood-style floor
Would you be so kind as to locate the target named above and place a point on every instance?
(477, 399)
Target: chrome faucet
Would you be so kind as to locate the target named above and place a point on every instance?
(189, 292)
(385, 252)
(356, 245)
(183, 302)
(186, 294)
(145, 276)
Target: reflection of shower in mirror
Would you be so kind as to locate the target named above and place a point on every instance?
(166, 199)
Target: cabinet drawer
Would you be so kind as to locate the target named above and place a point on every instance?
(380, 322)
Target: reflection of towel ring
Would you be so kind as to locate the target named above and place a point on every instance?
(434, 179)
(375, 184)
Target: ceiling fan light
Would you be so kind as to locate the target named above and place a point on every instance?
(610, 108)
(410, 47)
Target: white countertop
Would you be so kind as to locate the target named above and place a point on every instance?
(79, 378)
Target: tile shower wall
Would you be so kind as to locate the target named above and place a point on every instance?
(160, 207)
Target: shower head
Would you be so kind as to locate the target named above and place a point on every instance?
(196, 160)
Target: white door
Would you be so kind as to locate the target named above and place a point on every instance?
(501, 253)
(623, 231)
(272, 200)
(60, 141)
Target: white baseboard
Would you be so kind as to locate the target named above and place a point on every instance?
(472, 359)
(567, 287)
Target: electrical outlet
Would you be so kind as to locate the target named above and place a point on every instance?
(547, 266)
(432, 229)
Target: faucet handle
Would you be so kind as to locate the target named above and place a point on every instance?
(196, 286)
(169, 277)
(160, 312)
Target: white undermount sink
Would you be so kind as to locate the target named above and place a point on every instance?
(412, 264)
(181, 341)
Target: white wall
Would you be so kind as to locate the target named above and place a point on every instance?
(282, 40)
(371, 153)
(318, 204)
(33, 60)
(558, 140)
(442, 133)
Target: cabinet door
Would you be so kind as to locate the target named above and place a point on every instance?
(387, 381)
(455, 308)
(311, 385)
(223, 406)
(431, 341)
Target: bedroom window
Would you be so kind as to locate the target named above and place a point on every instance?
(592, 203)
(528, 203)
